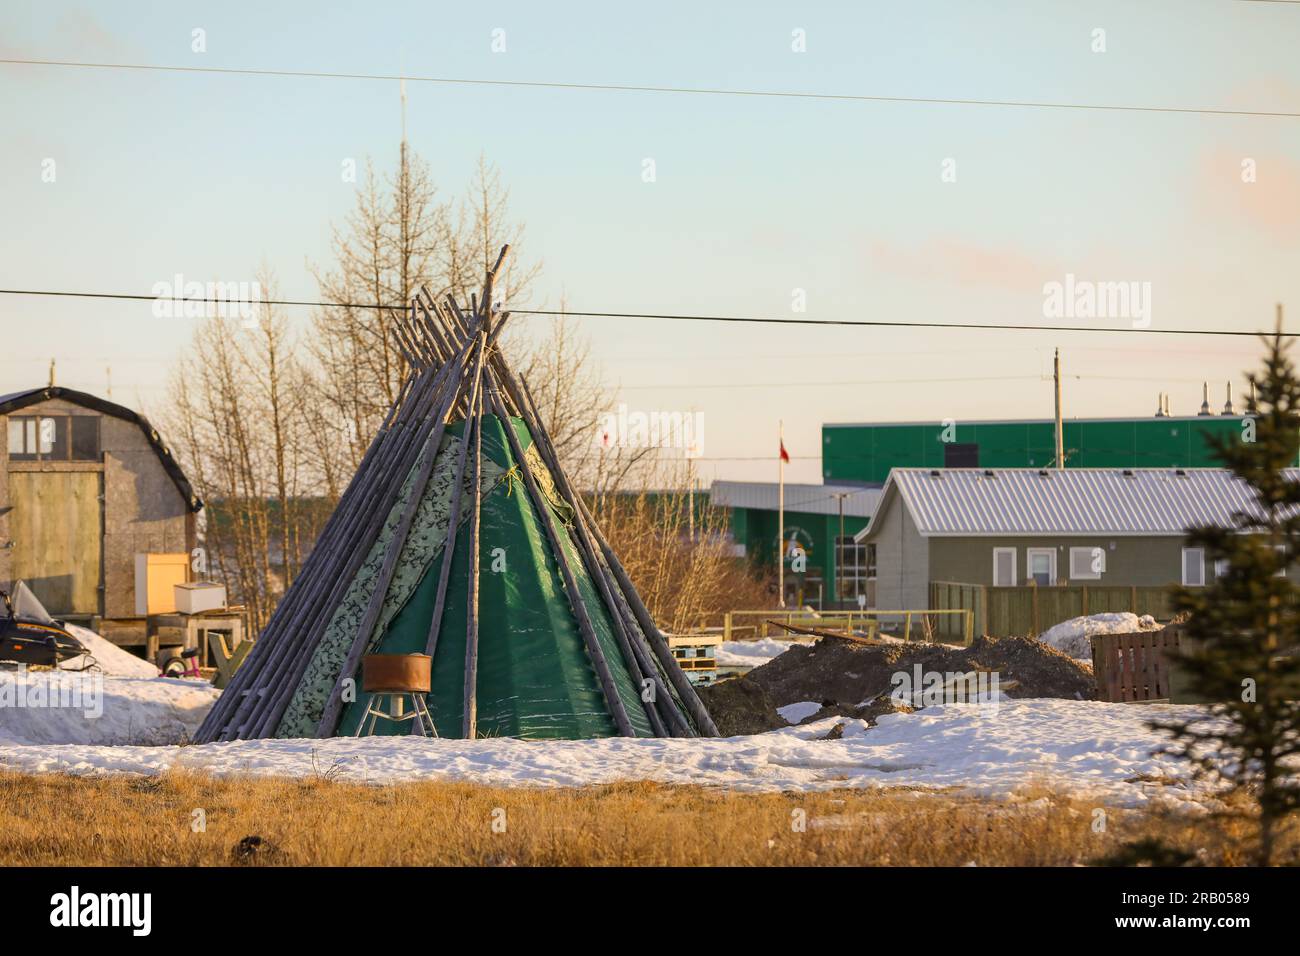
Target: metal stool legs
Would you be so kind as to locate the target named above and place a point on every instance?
(397, 713)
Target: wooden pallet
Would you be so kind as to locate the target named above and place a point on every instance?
(696, 656)
(1131, 668)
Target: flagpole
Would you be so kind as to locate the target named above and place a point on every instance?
(780, 508)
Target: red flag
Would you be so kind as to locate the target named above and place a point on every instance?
(785, 455)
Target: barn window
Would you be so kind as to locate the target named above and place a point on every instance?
(33, 437)
(54, 438)
(85, 438)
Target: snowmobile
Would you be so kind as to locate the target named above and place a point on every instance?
(28, 635)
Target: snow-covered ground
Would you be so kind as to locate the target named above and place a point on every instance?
(752, 653)
(1074, 637)
(1083, 746)
(58, 707)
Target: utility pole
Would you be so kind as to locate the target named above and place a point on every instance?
(839, 553)
(1060, 431)
(780, 515)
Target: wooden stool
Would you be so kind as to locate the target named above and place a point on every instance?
(397, 677)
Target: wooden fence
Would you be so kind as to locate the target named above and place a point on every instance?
(953, 624)
(1029, 610)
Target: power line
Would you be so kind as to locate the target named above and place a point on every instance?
(856, 384)
(752, 319)
(631, 88)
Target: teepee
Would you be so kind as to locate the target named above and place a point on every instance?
(461, 538)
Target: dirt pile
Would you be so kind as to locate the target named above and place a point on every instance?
(849, 678)
(740, 707)
(853, 674)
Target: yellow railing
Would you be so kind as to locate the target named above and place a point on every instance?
(754, 625)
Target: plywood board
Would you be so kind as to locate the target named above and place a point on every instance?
(56, 526)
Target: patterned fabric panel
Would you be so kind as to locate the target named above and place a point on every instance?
(423, 543)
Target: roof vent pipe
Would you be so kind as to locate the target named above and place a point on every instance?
(1166, 404)
(1227, 407)
(1251, 407)
(1160, 405)
(1205, 399)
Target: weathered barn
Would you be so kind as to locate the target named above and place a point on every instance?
(85, 486)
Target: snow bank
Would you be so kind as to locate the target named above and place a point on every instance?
(1082, 746)
(1074, 637)
(56, 707)
(112, 660)
(751, 653)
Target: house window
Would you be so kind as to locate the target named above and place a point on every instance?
(1087, 564)
(1281, 554)
(54, 438)
(1221, 568)
(1004, 567)
(855, 564)
(1042, 565)
(1193, 567)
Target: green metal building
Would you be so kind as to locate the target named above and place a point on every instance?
(865, 453)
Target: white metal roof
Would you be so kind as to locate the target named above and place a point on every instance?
(859, 501)
(1074, 501)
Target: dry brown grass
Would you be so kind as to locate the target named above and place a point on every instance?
(147, 821)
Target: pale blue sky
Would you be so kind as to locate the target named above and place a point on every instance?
(209, 175)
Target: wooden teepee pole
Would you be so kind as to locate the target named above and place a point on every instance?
(469, 726)
(453, 523)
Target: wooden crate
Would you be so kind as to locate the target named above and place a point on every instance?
(1133, 667)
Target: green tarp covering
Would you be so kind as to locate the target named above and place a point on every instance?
(535, 678)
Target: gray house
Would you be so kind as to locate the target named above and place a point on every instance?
(86, 485)
(1077, 529)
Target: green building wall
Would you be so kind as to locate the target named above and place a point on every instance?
(757, 531)
(865, 453)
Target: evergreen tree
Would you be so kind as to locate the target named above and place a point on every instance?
(1245, 624)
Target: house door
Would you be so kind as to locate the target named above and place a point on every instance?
(1042, 565)
(56, 528)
